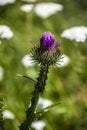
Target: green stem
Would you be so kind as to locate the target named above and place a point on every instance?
(1, 118)
(1, 124)
(39, 88)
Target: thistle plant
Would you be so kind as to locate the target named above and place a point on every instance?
(46, 54)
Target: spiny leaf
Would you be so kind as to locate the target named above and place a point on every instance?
(26, 77)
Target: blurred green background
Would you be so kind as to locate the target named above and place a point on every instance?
(67, 84)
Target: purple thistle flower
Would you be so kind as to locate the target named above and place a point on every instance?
(48, 52)
(47, 41)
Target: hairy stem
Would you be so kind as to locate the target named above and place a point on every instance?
(1, 118)
(39, 88)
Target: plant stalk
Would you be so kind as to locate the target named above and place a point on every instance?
(39, 88)
(1, 118)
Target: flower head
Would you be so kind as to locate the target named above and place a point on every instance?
(64, 61)
(5, 32)
(48, 52)
(43, 103)
(38, 125)
(27, 7)
(8, 114)
(45, 10)
(5, 2)
(77, 33)
(27, 61)
(47, 41)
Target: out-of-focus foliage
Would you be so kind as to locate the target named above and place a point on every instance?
(67, 84)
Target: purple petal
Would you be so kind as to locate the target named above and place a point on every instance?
(47, 41)
(57, 44)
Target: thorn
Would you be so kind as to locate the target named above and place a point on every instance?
(32, 42)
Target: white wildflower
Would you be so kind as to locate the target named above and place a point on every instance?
(38, 125)
(43, 103)
(27, 7)
(45, 10)
(1, 73)
(27, 61)
(5, 2)
(29, 0)
(78, 33)
(8, 114)
(64, 61)
(5, 32)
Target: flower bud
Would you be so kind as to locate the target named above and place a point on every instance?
(48, 52)
(47, 41)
